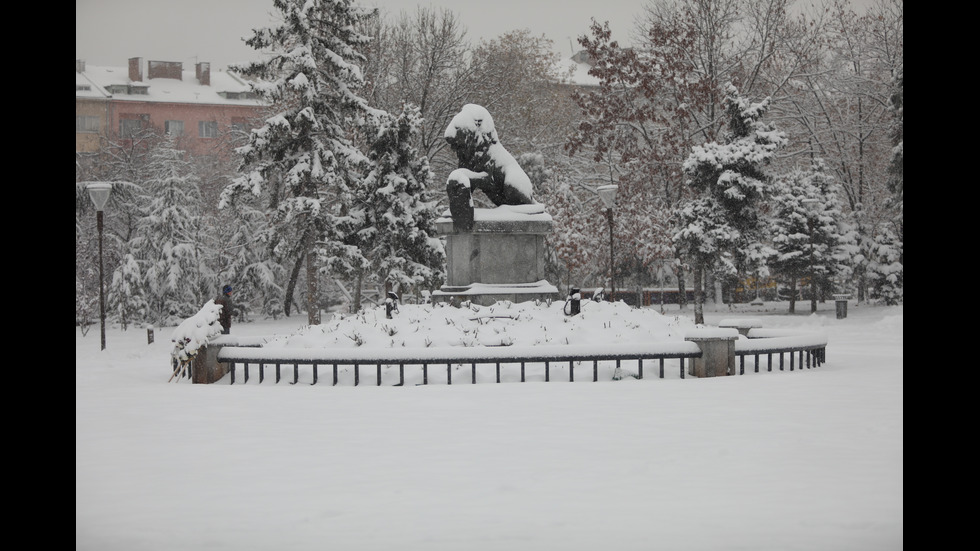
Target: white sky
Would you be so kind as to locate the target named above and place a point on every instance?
(108, 32)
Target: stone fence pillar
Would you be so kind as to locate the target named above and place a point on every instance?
(840, 302)
(205, 367)
(717, 352)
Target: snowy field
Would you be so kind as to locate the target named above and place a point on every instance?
(782, 461)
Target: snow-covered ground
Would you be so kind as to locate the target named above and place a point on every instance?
(802, 460)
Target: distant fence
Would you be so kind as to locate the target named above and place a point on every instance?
(644, 297)
(765, 350)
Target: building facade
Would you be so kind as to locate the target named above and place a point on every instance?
(208, 111)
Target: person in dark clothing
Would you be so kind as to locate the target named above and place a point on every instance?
(226, 309)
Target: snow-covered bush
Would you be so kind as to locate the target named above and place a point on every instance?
(196, 332)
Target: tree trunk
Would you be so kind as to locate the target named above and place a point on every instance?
(356, 307)
(312, 305)
(792, 295)
(699, 293)
(681, 288)
(291, 286)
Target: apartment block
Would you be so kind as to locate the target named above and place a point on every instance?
(208, 111)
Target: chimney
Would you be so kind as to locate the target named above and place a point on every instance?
(79, 65)
(136, 69)
(204, 73)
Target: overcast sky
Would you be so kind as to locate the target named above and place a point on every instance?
(108, 32)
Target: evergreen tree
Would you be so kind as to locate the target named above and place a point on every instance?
(168, 240)
(247, 264)
(885, 269)
(720, 227)
(301, 158)
(125, 207)
(897, 166)
(127, 302)
(388, 225)
(809, 245)
(897, 185)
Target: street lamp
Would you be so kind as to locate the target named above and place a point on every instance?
(812, 207)
(608, 195)
(99, 193)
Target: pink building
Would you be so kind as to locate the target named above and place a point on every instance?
(209, 111)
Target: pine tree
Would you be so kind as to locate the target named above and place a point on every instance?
(886, 271)
(720, 227)
(897, 166)
(301, 158)
(247, 263)
(897, 186)
(127, 302)
(809, 244)
(389, 224)
(168, 240)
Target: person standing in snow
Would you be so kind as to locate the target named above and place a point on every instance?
(226, 309)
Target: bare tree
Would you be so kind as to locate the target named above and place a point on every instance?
(421, 58)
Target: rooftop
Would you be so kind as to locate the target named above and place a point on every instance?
(162, 81)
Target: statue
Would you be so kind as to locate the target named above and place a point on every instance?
(498, 253)
(484, 164)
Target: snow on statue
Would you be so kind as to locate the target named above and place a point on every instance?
(484, 164)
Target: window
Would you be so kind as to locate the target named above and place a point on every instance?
(130, 127)
(239, 129)
(207, 129)
(86, 124)
(174, 128)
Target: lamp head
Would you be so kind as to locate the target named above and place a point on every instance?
(99, 193)
(608, 194)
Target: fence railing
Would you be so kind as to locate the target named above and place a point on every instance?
(540, 358)
(801, 350)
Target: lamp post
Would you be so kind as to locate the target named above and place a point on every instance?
(99, 193)
(608, 195)
(812, 207)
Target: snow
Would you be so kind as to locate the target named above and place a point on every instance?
(196, 332)
(711, 333)
(805, 460)
(534, 212)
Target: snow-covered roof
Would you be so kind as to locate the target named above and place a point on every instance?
(580, 75)
(579, 64)
(100, 82)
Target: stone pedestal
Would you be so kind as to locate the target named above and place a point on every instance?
(500, 258)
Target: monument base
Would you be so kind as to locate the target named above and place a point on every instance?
(501, 257)
(486, 294)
